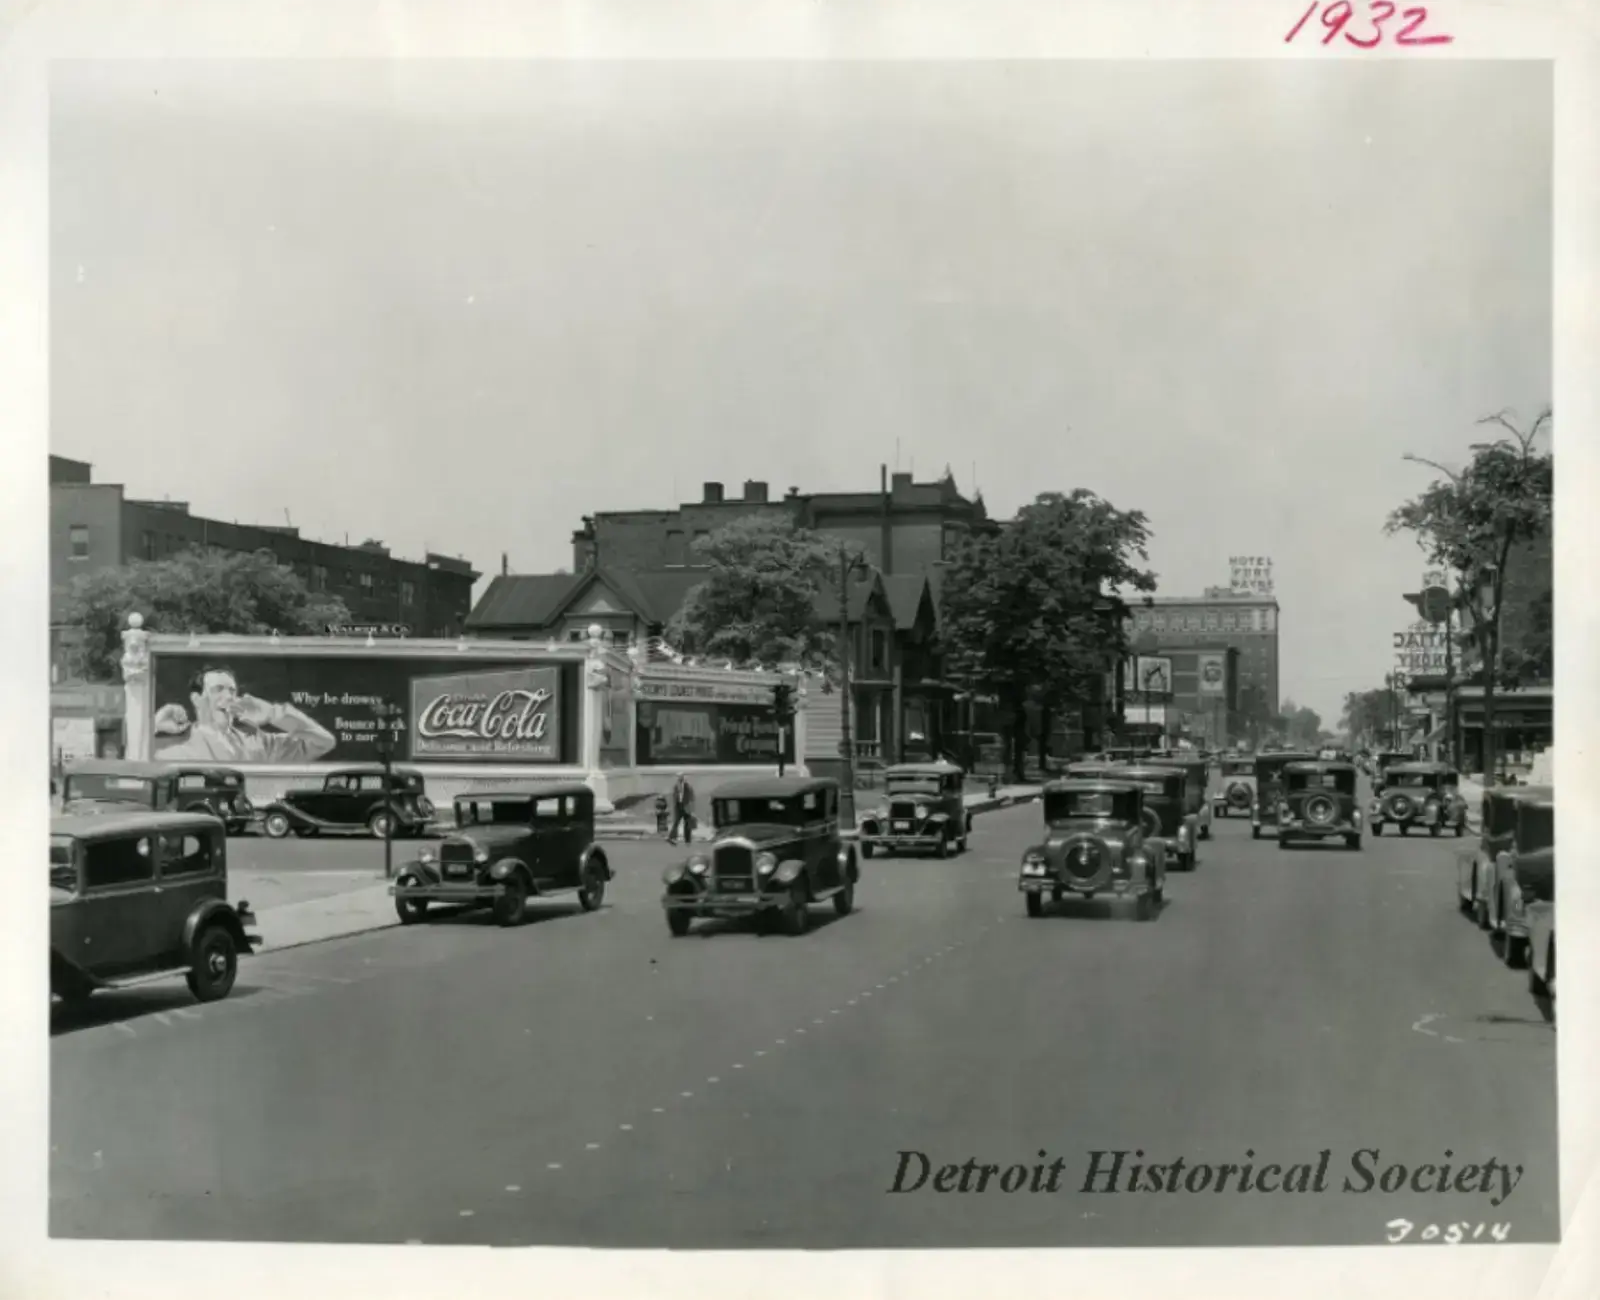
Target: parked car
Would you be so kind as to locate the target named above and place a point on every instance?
(1319, 800)
(1165, 810)
(115, 785)
(1269, 785)
(1534, 830)
(1237, 789)
(1096, 842)
(777, 850)
(218, 791)
(138, 893)
(1497, 825)
(924, 810)
(354, 799)
(511, 843)
(1536, 884)
(1198, 771)
(1419, 795)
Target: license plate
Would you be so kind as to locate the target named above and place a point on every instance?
(902, 828)
(458, 873)
(733, 886)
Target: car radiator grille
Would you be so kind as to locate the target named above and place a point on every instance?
(902, 811)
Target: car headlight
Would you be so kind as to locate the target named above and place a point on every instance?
(765, 863)
(922, 810)
(480, 855)
(427, 857)
(698, 865)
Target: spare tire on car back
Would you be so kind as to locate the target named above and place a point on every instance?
(1321, 810)
(1239, 794)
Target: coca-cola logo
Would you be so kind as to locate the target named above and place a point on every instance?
(508, 715)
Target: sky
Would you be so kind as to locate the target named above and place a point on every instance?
(456, 307)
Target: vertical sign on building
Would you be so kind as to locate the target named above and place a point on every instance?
(1250, 575)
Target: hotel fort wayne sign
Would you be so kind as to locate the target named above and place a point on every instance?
(467, 713)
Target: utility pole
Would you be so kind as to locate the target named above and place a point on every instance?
(847, 795)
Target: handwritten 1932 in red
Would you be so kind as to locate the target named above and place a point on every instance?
(1379, 21)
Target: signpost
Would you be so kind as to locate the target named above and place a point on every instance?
(387, 712)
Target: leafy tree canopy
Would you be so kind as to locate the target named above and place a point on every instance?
(193, 591)
(758, 603)
(1300, 725)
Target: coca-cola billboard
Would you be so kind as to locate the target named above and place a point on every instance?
(248, 708)
(509, 715)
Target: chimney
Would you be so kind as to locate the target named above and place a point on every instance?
(755, 490)
(713, 494)
(886, 527)
(505, 563)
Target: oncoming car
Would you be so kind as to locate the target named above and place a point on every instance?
(924, 810)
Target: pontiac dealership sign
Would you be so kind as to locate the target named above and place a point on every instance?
(505, 715)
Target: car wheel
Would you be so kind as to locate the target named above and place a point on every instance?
(1459, 829)
(796, 912)
(1433, 831)
(1144, 908)
(508, 908)
(943, 850)
(593, 891)
(844, 902)
(1405, 830)
(214, 965)
(1377, 828)
(381, 824)
(678, 922)
(1536, 986)
(1516, 951)
(1205, 831)
(1255, 832)
(1480, 913)
(276, 825)
(1352, 842)
(1035, 904)
(866, 850)
(411, 910)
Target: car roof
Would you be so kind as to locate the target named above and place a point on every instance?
(1177, 760)
(772, 787)
(937, 768)
(206, 769)
(87, 826)
(1421, 767)
(528, 790)
(1321, 765)
(1090, 783)
(370, 769)
(1539, 797)
(1286, 756)
(118, 767)
(1141, 771)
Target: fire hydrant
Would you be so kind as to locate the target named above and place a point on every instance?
(661, 814)
(994, 786)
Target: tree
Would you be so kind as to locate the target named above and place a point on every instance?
(758, 603)
(1366, 714)
(1470, 521)
(193, 591)
(1029, 613)
(1301, 726)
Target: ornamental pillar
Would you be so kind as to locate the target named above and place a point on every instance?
(798, 724)
(137, 688)
(596, 681)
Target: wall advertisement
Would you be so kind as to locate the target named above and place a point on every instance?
(707, 734)
(256, 709)
(1213, 673)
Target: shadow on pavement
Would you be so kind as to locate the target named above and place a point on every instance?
(750, 927)
(111, 1006)
(1078, 909)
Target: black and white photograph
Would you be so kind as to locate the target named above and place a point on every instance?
(806, 640)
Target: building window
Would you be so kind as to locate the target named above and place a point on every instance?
(622, 638)
(575, 634)
(366, 582)
(1159, 622)
(880, 648)
(408, 592)
(676, 554)
(78, 539)
(319, 577)
(150, 546)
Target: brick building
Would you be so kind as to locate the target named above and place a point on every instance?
(96, 526)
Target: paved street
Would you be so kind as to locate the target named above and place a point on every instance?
(587, 1080)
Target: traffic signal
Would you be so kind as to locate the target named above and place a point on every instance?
(783, 701)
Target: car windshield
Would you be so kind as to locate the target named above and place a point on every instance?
(134, 789)
(928, 785)
(1344, 782)
(1067, 805)
(493, 812)
(1411, 780)
(784, 812)
(1154, 789)
(63, 875)
(1536, 827)
(1238, 768)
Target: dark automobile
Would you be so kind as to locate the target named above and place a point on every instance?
(1237, 791)
(1165, 811)
(1475, 872)
(510, 844)
(1385, 759)
(111, 785)
(1096, 842)
(924, 810)
(218, 791)
(777, 850)
(1318, 800)
(354, 799)
(1534, 831)
(1269, 786)
(137, 893)
(1536, 882)
(1419, 794)
(1197, 769)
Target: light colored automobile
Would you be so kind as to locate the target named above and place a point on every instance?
(1236, 793)
(1535, 830)
(1095, 842)
(1536, 885)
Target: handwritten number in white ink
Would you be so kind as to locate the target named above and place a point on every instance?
(1399, 1229)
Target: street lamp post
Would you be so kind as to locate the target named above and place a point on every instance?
(387, 712)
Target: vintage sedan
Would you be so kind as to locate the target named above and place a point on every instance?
(511, 844)
(218, 791)
(1269, 786)
(1536, 883)
(1096, 842)
(1422, 795)
(1165, 811)
(112, 785)
(924, 811)
(1475, 872)
(1237, 790)
(777, 850)
(1534, 831)
(357, 798)
(1197, 769)
(139, 893)
(1319, 801)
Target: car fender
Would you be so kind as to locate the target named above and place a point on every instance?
(504, 868)
(422, 872)
(675, 874)
(215, 911)
(63, 966)
(595, 856)
(788, 871)
(936, 817)
(847, 864)
(288, 810)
